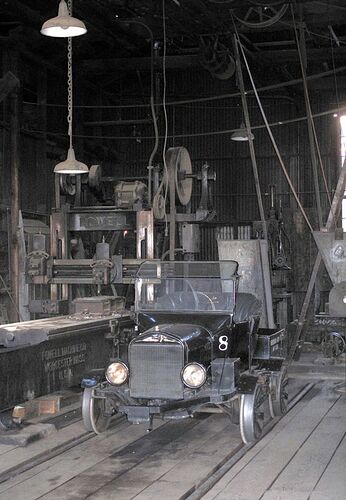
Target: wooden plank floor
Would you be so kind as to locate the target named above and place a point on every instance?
(305, 460)
(129, 463)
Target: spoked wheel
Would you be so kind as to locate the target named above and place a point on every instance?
(252, 414)
(278, 395)
(93, 412)
(333, 345)
(261, 15)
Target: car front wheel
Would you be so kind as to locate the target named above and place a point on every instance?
(94, 412)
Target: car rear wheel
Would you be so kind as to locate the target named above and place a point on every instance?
(252, 414)
(93, 412)
(278, 396)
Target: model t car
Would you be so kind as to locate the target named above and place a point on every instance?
(199, 346)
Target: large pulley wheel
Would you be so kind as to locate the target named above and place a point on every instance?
(260, 16)
(95, 176)
(93, 412)
(179, 168)
(278, 396)
(159, 206)
(67, 185)
(251, 415)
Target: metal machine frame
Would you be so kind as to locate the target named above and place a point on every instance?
(50, 261)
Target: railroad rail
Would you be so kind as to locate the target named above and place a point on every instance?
(139, 449)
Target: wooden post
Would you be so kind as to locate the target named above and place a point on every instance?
(14, 169)
(9, 86)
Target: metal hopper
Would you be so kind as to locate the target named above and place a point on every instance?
(333, 252)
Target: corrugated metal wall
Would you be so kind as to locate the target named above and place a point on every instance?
(196, 127)
(234, 190)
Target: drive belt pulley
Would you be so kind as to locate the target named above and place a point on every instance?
(177, 174)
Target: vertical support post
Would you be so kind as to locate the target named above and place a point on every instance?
(14, 168)
(11, 181)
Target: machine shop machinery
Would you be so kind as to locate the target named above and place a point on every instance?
(330, 324)
(279, 255)
(264, 263)
(102, 228)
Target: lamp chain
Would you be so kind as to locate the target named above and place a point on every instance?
(69, 80)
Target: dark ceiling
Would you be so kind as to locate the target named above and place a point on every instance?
(119, 32)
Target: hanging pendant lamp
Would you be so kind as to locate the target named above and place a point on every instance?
(64, 25)
(70, 166)
(241, 135)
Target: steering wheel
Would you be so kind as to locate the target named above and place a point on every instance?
(196, 294)
(167, 305)
(207, 297)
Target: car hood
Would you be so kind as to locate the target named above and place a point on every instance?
(190, 334)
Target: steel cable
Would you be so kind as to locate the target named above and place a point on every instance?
(275, 146)
(308, 108)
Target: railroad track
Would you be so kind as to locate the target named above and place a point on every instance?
(197, 492)
(135, 452)
(54, 452)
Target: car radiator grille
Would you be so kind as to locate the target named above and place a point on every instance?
(155, 370)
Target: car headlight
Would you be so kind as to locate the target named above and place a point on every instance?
(194, 375)
(117, 373)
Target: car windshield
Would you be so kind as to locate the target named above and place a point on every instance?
(186, 286)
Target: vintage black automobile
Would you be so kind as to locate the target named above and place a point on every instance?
(199, 346)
